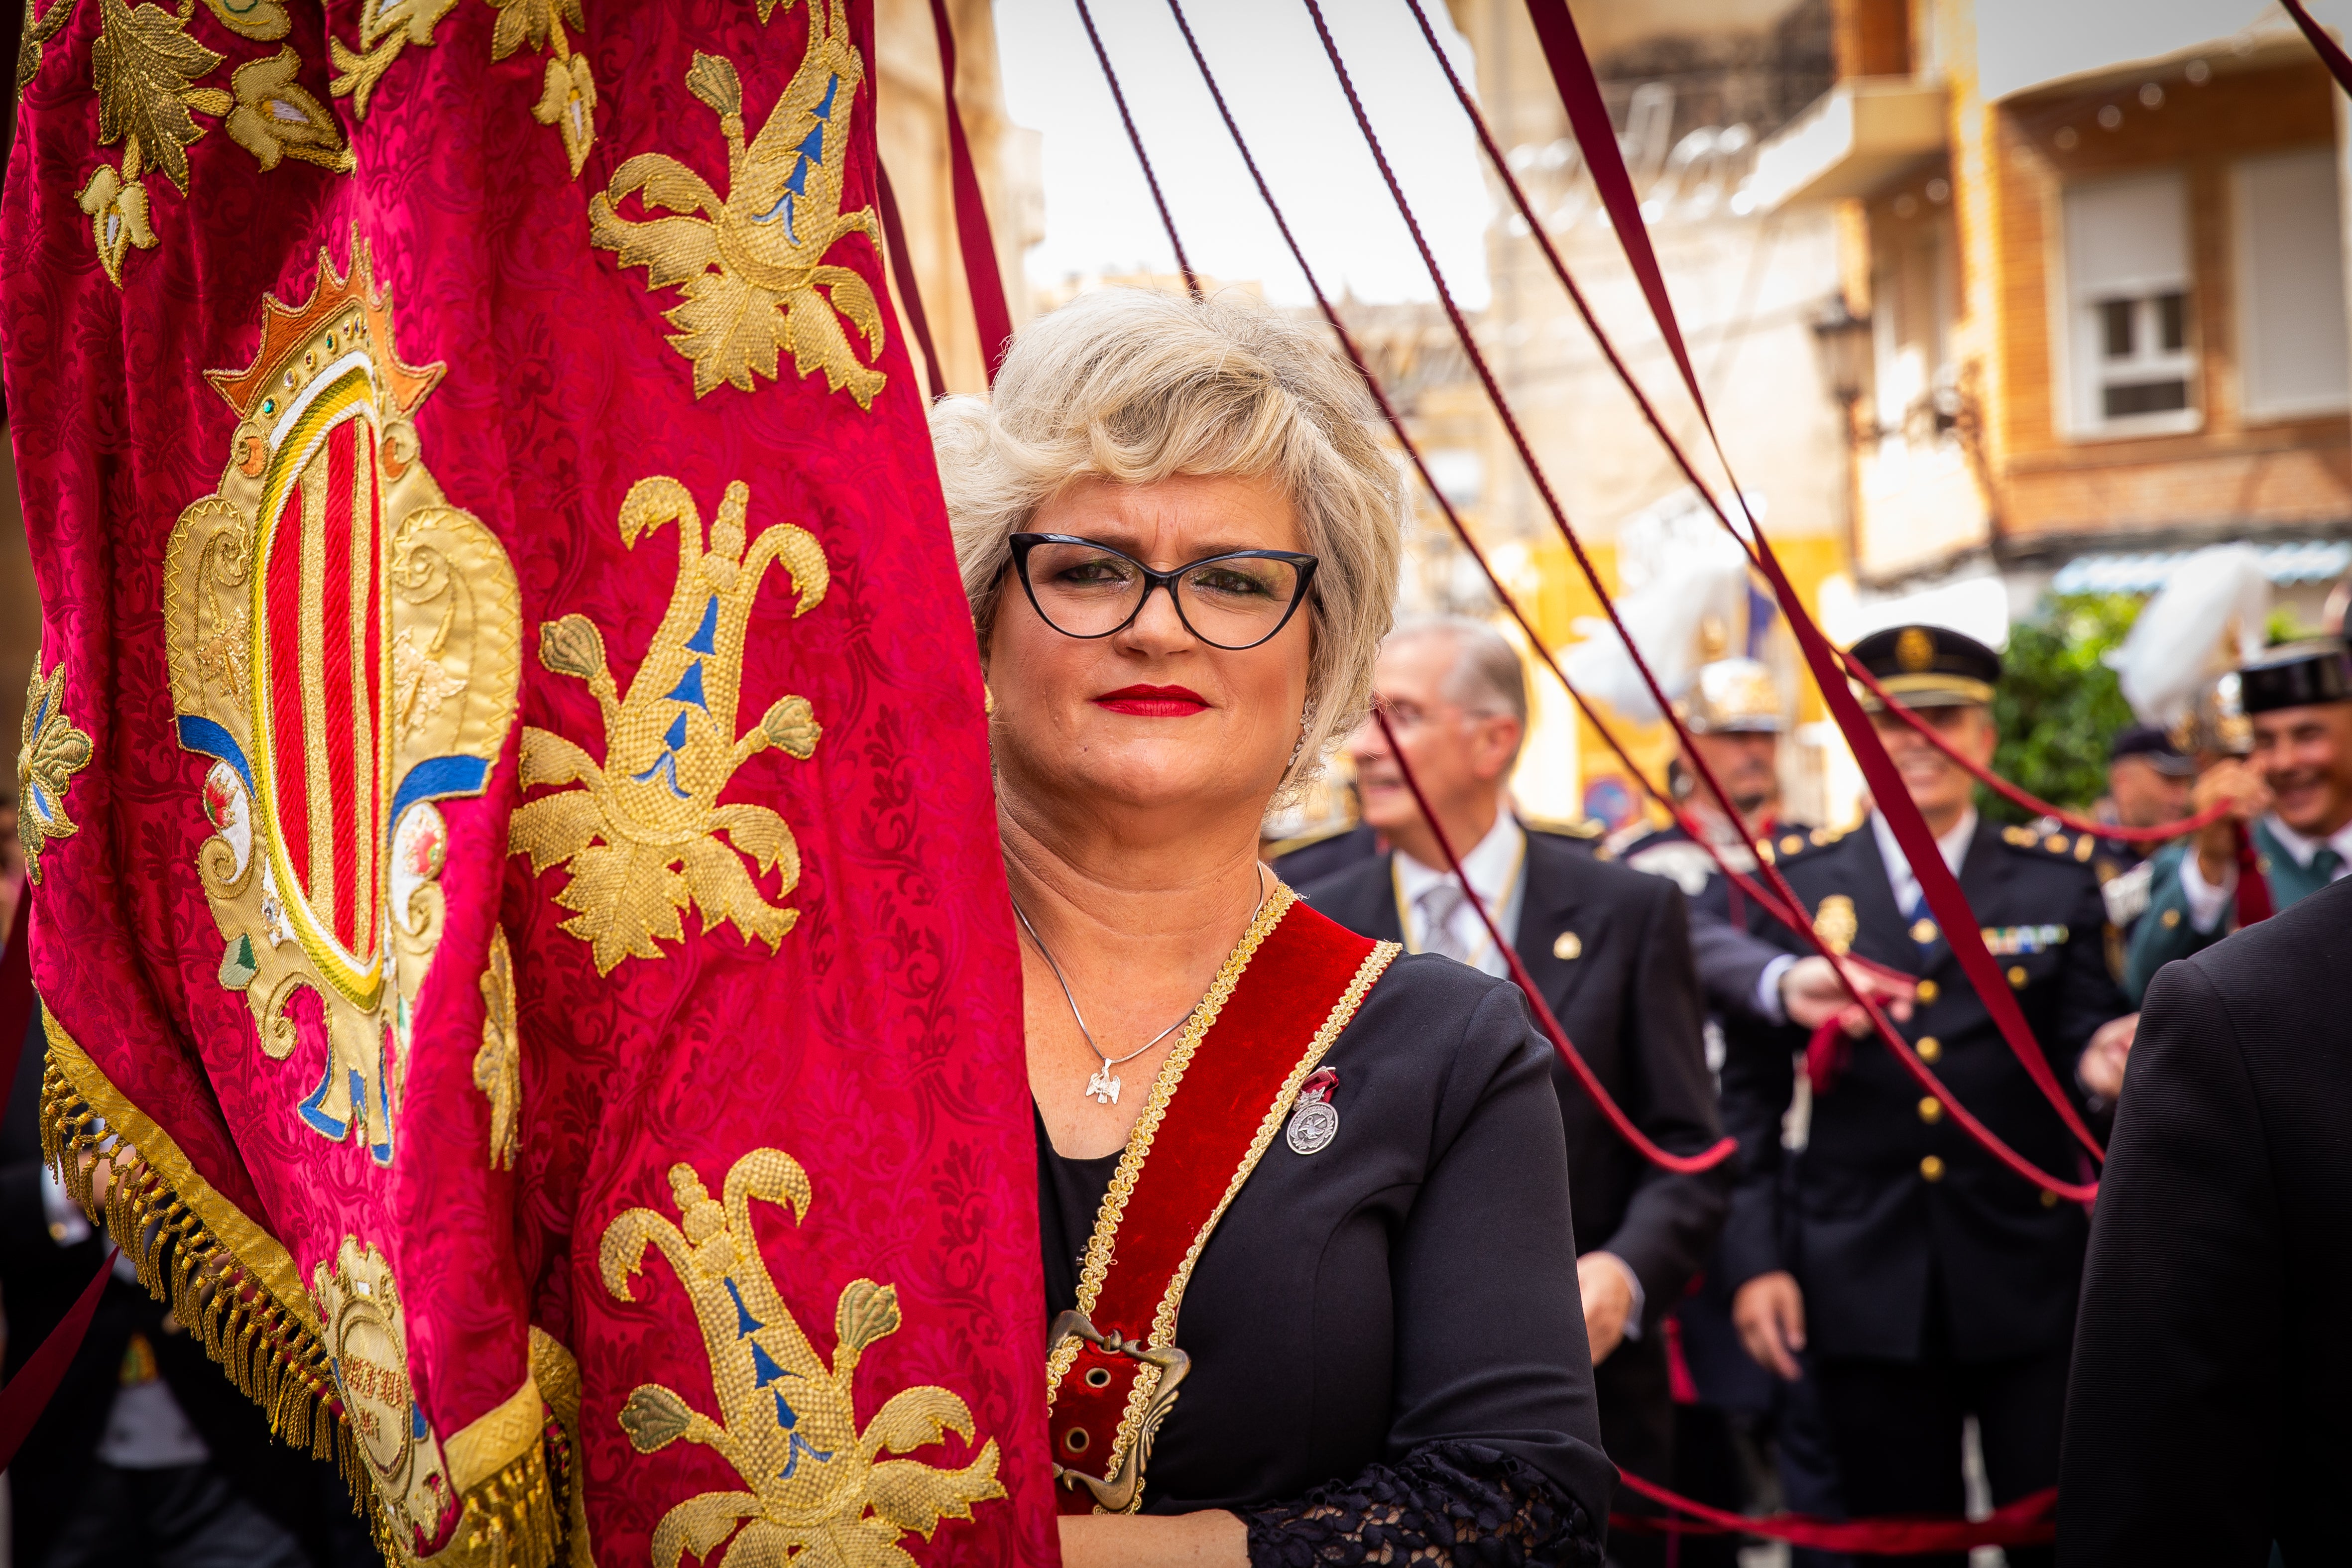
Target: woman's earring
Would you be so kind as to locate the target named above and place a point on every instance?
(987, 701)
(1306, 718)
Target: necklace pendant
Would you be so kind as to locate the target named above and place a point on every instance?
(1103, 1088)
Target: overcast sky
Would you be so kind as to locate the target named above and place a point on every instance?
(1098, 214)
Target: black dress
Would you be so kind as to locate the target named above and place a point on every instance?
(1387, 1345)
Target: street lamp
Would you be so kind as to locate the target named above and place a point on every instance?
(1843, 339)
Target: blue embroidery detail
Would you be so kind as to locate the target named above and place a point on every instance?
(763, 1367)
(688, 689)
(745, 1324)
(417, 1424)
(203, 735)
(435, 778)
(666, 765)
(318, 1119)
(705, 639)
(800, 1445)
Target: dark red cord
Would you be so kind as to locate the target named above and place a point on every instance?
(1943, 893)
(1681, 1165)
(1135, 140)
(894, 237)
(1841, 963)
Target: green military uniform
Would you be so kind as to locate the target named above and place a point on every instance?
(2300, 675)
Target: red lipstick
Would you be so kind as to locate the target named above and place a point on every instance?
(1154, 701)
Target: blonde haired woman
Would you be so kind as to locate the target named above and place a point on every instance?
(1316, 1189)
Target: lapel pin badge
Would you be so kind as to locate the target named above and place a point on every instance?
(1314, 1120)
(1567, 944)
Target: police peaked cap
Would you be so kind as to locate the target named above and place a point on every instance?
(1928, 667)
(2296, 675)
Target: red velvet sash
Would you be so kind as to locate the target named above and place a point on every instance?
(1290, 987)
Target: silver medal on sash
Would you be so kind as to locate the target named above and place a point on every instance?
(1314, 1120)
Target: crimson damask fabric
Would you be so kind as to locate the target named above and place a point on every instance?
(505, 772)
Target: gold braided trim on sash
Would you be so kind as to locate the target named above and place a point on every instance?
(1102, 1245)
(236, 1290)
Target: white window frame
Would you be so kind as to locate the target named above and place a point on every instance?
(2253, 408)
(2077, 335)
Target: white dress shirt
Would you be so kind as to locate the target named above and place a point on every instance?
(1496, 867)
(1953, 846)
(2206, 903)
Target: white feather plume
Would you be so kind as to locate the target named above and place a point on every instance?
(1704, 579)
(2177, 644)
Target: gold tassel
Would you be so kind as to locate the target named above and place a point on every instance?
(518, 1516)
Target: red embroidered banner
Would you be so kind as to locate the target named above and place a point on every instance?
(505, 770)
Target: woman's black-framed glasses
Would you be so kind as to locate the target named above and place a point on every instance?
(1082, 588)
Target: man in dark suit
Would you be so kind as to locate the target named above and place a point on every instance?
(1609, 948)
(1929, 1282)
(2210, 1410)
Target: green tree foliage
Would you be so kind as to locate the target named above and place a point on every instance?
(2059, 705)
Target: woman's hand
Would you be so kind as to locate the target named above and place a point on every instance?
(2101, 1069)
(1607, 1287)
(1212, 1539)
(1770, 1313)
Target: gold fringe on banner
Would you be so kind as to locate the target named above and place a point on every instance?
(236, 1290)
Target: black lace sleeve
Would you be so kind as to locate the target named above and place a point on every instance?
(1446, 1504)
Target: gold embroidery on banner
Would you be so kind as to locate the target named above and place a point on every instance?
(52, 753)
(497, 1065)
(639, 833)
(367, 1340)
(148, 72)
(324, 877)
(39, 28)
(750, 265)
(237, 1292)
(816, 1483)
(568, 93)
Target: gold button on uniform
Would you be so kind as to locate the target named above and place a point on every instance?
(1567, 944)
(2171, 919)
(1929, 1047)
(2049, 1199)
(1791, 844)
(1932, 1168)
(1931, 1110)
(1923, 932)
(1927, 992)
(2017, 976)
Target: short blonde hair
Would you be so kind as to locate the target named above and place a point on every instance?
(1134, 386)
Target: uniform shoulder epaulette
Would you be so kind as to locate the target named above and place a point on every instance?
(1277, 850)
(1791, 841)
(2076, 847)
(1625, 837)
(1586, 827)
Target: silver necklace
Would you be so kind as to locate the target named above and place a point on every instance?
(1103, 1087)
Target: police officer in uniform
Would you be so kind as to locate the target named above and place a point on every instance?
(1929, 1282)
(2293, 797)
(1734, 714)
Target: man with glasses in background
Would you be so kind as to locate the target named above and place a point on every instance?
(1610, 950)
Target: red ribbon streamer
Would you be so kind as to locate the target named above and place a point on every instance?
(989, 312)
(1894, 1043)
(36, 1382)
(1681, 1165)
(1589, 117)
(2031, 1521)
(902, 267)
